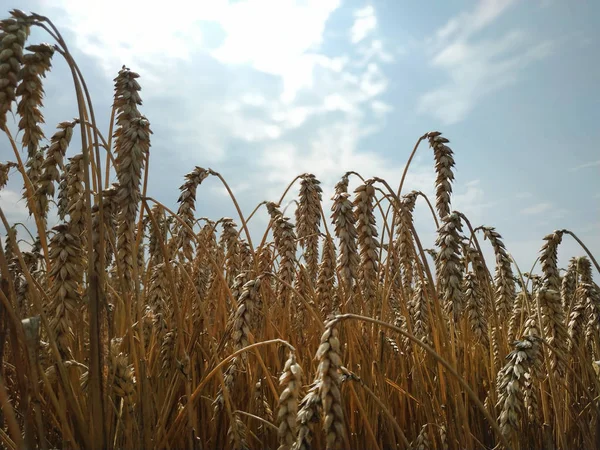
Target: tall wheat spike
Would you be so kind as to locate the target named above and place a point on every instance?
(13, 34)
(444, 163)
(448, 267)
(187, 205)
(367, 243)
(30, 89)
(345, 230)
(308, 221)
(132, 145)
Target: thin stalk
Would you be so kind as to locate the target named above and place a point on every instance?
(440, 360)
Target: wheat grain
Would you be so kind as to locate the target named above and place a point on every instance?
(285, 243)
(309, 413)
(420, 314)
(30, 89)
(187, 205)
(33, 172)
(326, 278)
(548, 297)
(13, 34)
(230, 245)
(4, 170)
(367, 243)
(308, 221)
(75, 195)
(591, 295)
(243, 317)
(448, 267)
(59, 142)
(124, 379)
(329, 383)
(345, 230)
(444, 162)
(568, 285)
(291, 381)
(422, 440)
(404, 239)
(503, 277)
(66, 273)
(475, 308)
(524, 359)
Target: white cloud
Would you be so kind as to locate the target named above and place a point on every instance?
(374, 50)
(253, 99)
(365, 23)
(470, 199)
(329, 153)
(279, 38)
(373, 81)
(524, 195)
(585, 166)
(276, 37)
(465, 24)
(13, 205)
(380, 108)
(476, 67)
(136, 32)
(538, 208)
(236, 187)
(272, 36)
(559, 213)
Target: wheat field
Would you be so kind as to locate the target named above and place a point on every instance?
(129, 324)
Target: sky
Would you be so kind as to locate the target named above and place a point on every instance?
(264, 90)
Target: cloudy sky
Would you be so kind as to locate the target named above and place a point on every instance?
(263, 90)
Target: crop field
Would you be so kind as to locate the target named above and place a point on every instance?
(126, 323)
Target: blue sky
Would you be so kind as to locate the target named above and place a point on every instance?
(263, 90)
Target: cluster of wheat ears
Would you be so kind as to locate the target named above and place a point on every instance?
(131, 325)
